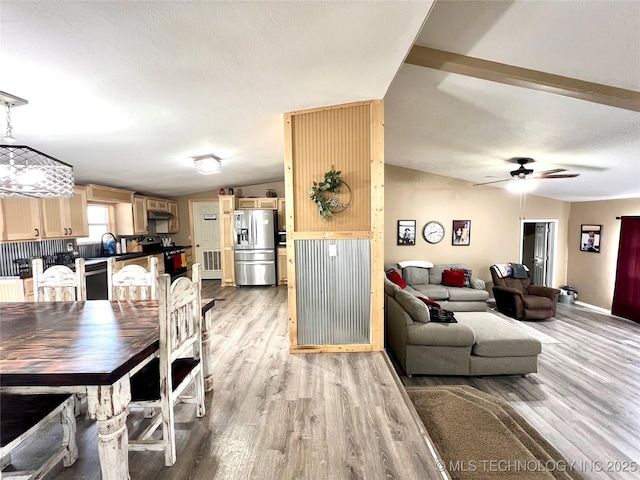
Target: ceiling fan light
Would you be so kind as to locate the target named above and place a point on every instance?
(207, 164)
(521, 185)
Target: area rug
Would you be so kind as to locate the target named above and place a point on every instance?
(479, 436)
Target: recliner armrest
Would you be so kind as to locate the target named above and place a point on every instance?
(551, 293)
(511, 290)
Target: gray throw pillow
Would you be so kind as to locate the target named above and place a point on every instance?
(415, 275)
(415, 307)
(390, 288)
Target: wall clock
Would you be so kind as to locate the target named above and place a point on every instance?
(433, 232)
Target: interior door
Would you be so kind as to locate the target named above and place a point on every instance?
(206, 230)
(540, 257)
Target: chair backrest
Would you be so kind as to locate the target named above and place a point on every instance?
(132, 282)
(11, 290)
(180, 320)
(521, 284)
(58, 283)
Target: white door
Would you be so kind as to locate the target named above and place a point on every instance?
(206, 229)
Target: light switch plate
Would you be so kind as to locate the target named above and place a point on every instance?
(333, 251)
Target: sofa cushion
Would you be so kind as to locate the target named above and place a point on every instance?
(440, 334)
(414, 307)
(497, 337)
(415, 275)
(434, 292)
(453, 278)
(457, 294)
(390, 288)
(396, 278)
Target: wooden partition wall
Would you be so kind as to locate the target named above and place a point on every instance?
(335, 286)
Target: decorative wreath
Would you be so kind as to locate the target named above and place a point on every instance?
(330, 183)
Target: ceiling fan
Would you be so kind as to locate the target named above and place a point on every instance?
(523, 173)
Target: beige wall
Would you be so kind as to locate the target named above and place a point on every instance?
(594, 274)
(494, 214)
(259, 190)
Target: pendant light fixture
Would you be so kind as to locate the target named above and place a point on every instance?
(26, 172)
(207, 164)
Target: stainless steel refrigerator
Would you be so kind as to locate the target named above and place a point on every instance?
(254, 239)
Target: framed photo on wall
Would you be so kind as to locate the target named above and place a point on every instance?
(406, 232)
(461, 232)
(590, 236)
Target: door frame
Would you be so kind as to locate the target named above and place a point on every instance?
(552, 245)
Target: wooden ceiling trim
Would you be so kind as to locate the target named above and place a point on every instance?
(524, 77)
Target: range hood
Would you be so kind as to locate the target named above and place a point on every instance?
(159, 215)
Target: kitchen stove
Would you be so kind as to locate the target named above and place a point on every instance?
(175, 262)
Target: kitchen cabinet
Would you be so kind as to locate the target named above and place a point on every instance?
(266, 203)
(282, 214)
(20, 219)
(102, 194)
(65, 217)
(143, 262)
(157, 204)
(131, 218)
(174, 223)
(27, 284)
(33, 218)
(282, 266)
(189, 257)
(227, 262)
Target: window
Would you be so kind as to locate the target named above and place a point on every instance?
(99, 223)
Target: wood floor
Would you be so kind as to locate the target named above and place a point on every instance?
(585, 398)
(273, 415)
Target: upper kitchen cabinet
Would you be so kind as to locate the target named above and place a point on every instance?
(32, 219)
(20, 219)
(157, 205)
(131, 218)
(174, 223)
(102, 194)
(266, 203)
(65, 217)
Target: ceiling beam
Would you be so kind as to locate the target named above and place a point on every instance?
(523, 77)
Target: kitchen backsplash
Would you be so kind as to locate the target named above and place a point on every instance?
(11, 251)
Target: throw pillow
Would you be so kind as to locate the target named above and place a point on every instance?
(453, 278)
(441, 315)
(417, 310)
(396, 278)
(415, 275)
(467, 276)
(428, 302)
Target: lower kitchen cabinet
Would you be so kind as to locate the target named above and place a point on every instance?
(282, 266)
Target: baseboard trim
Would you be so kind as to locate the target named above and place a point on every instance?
(594, 307)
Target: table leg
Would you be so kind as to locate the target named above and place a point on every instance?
(107, 404)
(207, 351)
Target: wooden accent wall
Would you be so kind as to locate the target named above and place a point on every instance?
(349, 138)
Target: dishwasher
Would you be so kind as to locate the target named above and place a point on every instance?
(97, 282)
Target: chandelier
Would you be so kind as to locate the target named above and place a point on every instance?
(207, 164)
(26, 172)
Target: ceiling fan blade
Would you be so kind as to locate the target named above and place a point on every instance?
(487, 183)
(551, 172)
(564, 175)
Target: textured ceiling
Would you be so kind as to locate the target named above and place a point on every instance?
(128, 92)
(468, 128)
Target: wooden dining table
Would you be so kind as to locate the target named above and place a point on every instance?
(90, 347)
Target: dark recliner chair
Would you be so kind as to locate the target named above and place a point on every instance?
(521, 299)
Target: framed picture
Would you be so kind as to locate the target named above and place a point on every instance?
(406, 232)
(461, 232)
(590, 236)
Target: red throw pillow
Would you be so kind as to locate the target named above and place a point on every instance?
(428, 301)
(453, 278)
(396, 278)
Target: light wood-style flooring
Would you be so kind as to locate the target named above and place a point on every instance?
(585, 398)
(273, 415)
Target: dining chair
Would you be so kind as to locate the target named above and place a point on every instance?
(132, 282)
(59, 283)
(162, 383)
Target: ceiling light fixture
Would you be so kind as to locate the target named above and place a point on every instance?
(207, 164)
(26, 172)
(521, 185)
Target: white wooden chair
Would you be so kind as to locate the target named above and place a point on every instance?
(59, 283)
(132, 282)
(161, 384)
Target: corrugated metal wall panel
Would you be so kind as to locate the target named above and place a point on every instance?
(333, 292)
(12, 251)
